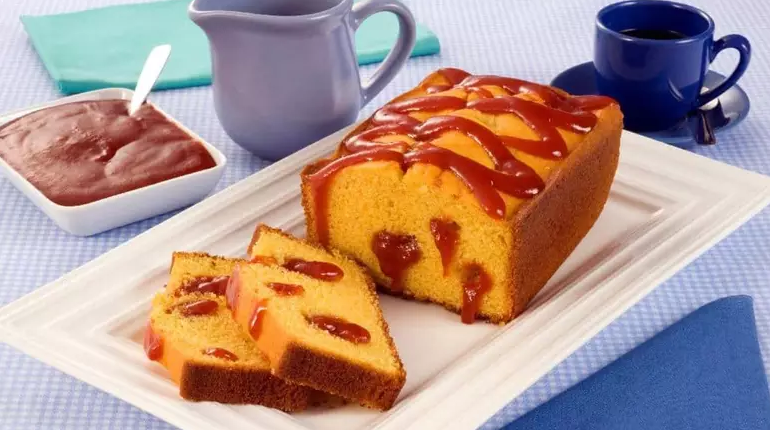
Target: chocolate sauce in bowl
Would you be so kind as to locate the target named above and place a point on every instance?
(81, 152)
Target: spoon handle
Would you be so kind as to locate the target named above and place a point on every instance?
(154, 65)
(701, 127)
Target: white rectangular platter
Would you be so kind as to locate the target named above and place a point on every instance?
(666, 207)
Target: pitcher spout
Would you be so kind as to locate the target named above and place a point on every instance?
(208, 13)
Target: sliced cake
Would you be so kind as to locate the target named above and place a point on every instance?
(316, 316)
(193, 334)
(467, 191)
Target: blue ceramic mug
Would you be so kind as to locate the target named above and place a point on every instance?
(652, 56)
(285, 72)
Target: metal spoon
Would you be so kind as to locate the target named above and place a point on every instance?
(154, 65)
(702, 129)
(702, 121)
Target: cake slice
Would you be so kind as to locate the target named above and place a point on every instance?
(316, 317)
(467, 191)
(193, 334)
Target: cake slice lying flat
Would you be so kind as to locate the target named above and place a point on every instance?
(193, 334)
(316, 317)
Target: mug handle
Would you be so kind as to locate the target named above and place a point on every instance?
(407, 35)
(743, 46)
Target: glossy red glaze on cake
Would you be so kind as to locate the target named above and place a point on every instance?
(233, 291)
(446, 235)
(339, 327)
(198, 307)
(477, 283)
(153, 343)
(257, 316)
(204, 284)
(220, 353)
(395, 253)
(315, 269)
(285, 289)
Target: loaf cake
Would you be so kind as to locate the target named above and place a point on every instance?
(467, 191)
(193, 334)
(315, 314)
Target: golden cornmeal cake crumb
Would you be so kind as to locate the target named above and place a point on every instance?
(205, 351)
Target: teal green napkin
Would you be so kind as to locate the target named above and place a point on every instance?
(106, 47)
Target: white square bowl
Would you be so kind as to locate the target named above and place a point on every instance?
(124, 208)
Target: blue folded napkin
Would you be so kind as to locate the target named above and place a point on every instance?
(106, 47)
(703, 373)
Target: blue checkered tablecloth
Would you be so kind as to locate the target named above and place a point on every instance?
(531, 39)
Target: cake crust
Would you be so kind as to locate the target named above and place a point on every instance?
(548, 228)
(314, 368)
(223, 384)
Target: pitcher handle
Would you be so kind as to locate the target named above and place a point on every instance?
(407, 35)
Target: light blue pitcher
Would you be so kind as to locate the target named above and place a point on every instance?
(285, 72)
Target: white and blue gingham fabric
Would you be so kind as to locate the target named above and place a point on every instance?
(530, 39)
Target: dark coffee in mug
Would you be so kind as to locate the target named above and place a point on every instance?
(653, 34)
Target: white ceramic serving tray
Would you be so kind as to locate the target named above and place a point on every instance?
(124, 208)
(666, 207)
